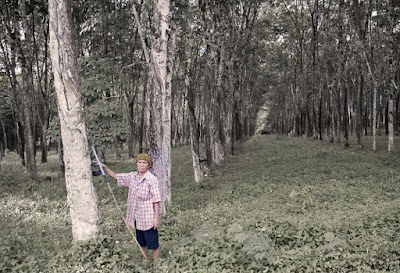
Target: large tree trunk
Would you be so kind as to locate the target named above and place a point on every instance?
(159, 131)
(82, 197)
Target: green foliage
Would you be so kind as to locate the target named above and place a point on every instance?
(305, 195)
(247, 217)
(102, 254)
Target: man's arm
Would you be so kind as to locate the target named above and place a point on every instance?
(156, 212)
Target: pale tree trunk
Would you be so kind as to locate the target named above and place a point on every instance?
(208, 123)
(193, 122)
(82, 197)
(374, 102)
(159, 130)
(159, 98)
(218, 133)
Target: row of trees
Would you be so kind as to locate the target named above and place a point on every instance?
(148, 74)
(213, 77)
(342, 69)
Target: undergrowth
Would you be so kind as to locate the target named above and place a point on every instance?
(277, 204)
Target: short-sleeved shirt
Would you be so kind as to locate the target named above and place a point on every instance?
(141, 198)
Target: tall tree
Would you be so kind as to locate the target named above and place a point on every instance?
(82, 197)
(159, 127)
(391, 73)
(26, 60)
(190, 96)
(159, 98)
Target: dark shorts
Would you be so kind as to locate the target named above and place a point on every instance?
(147, 238)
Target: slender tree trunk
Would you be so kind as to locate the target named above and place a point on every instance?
(218, 134)
(208, 128)
(193, 123)
(1, 152)
(4, 136)
(131, 135)
(345, 116)
(374, 114)
(117, 152)
(44, 144)
(359, 114)
(28, 100)
(60, 151)
(391, 77)
(82, 197)
(20, 143)
(390, 123)
(143, 116)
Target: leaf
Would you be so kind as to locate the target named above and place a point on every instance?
(293, 194)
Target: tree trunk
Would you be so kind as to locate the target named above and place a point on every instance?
(391, 77)
(374, 118)
(1, 152)
(390, 123)
(193, 123)
(4, 136)
(159, 131)
(218, 133)
(28, 100)
(117, 152)
(359, 114)
(60, 151)
(82, 197)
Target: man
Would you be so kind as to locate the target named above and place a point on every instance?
(143, 202)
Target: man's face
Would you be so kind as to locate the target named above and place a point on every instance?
(142, 166)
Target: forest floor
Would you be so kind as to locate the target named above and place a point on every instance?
(278, 204)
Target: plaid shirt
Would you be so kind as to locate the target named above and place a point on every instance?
(141, 198)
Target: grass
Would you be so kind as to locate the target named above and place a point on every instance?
(277, 205)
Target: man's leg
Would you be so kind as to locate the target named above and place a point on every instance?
(144, 248)
(156, 254)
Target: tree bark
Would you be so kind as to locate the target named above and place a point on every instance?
(193, 123)
(359, 114)
(391, 77)
(159, 131)
(82, 197)
(25, 57)
(4, 136)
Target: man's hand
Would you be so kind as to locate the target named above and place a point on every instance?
(155, 222)
(106, 169)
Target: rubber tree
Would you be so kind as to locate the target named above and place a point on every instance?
(82, 197)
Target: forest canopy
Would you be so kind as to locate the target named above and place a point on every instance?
(323, 69)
